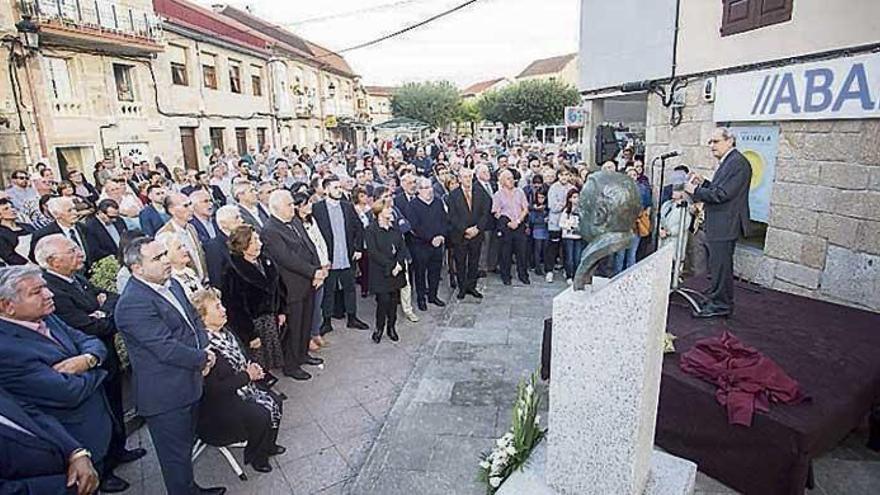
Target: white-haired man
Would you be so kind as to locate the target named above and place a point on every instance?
(228, 219)
(180, 208)
(245, 194)
(63, 210)
(288, 245)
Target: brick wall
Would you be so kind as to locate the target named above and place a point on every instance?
(823, 238)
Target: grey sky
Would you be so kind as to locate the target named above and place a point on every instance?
(491, 38)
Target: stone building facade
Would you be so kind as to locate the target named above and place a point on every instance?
(823, 235)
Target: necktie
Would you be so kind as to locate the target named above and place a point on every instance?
(74, 237)
(467, 198)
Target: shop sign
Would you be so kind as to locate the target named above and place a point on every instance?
(841, 88)
(575, 116)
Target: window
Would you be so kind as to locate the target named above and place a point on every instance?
(177, 55)
(209, 70)
(58, 74)
(124, 88)
(241, 140)
(257, 80)
(261, 138)
(216, 134)
(234, 76)
(739, 16)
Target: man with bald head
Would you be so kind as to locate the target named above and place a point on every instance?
(180, 208)
(63, 210)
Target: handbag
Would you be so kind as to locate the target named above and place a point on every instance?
(643, 223)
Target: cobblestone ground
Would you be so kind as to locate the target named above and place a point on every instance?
(412, 417)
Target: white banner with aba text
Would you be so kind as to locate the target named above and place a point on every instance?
(841, 88)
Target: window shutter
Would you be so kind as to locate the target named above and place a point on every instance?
(773, 12)
(59, 78)
(177, 54)
(737, 16)
(208, 59)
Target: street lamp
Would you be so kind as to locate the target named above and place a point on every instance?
(29, 32)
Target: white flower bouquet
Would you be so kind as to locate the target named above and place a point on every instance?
(512, 450)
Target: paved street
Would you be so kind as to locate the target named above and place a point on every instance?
(412, 417)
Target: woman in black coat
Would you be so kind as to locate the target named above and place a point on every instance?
(252, 293)
(10, 231)
(386, 272)
(233, 408)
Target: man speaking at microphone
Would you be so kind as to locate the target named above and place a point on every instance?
(726, 200)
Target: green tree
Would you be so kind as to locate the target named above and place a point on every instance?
(533, 102)
(467, 113)
(434, 102)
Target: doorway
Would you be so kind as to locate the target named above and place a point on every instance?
(188, 145)
(70, 158)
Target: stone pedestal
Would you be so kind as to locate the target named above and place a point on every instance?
(669, 475)
(606, 363)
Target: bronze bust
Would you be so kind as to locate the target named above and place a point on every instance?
(609, 205)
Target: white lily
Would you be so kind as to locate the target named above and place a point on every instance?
(511, 450)
(485, 464)
(495, 481)
(537, 419)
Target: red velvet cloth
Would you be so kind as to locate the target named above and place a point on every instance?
(746, 379)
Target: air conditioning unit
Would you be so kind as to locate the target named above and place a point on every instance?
(709, 90)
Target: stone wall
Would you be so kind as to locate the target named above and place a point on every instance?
(823, 238)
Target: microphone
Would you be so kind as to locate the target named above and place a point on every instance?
(669, 154)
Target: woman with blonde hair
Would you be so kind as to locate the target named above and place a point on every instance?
(179, 258)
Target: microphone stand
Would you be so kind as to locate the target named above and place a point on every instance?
(693, 297)
(656, 233)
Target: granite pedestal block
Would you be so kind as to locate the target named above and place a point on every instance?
(668, 475)
(605, 380)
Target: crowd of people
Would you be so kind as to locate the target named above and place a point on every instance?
(226, 279)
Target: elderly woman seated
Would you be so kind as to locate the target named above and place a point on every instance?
(233, 408)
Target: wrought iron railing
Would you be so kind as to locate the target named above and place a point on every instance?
(103, 15)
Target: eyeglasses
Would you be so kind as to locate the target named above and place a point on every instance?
(714, 141)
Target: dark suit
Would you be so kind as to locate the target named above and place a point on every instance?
(167, 356)
(289, 247)
(76, 401)
(54, 228)
(216, 193)
(255, 222)
(217, 258)
(99, 240)
(75, 303)
(491, 246)
(726, 200)
(151, 220)
(466, 252)
(428, 221)
(354, 242)
(264, 214)
(34, 460)
(202, 231)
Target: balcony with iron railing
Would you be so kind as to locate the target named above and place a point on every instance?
(103, 25)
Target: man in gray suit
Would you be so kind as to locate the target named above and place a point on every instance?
(726, 200)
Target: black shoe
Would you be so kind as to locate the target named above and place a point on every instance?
(277, 450)
(326, 327)
(281, 396)
(712, 312)
(215, 490)
(269, 380)
(481, 274)
(525, 280)
(460, 294)
(392, 334)
(377, 334)
(130, 456)
(262, 467)
(506, 282)
(353, 322)
(297, 374)
(453, 284)
(113, 484)
(313, 361)
(422, 305)
(475, 293)
(437, 302)
(539, 271)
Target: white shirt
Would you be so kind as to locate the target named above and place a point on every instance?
(318, 240)
(165, 291)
